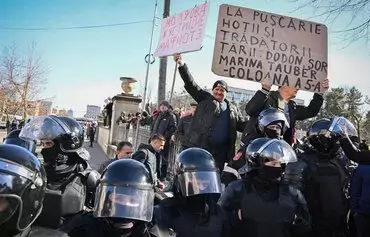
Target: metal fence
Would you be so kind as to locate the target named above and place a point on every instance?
(125, 133)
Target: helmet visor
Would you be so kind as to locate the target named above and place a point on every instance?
(124, 202)
(278, 150)
(341, 125)
(194, 183)
(11, 188)
(41, 128)
(269, 116)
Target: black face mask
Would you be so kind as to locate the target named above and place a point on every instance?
(272, 174)
(50, 154)
(272, 133)
(196, 203)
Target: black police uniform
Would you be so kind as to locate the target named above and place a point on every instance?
(38, 231)
(22, 190)
(193, 211)
(71, 181)
(323, 179)
(260, 205)
(124, 204)
(270, 116)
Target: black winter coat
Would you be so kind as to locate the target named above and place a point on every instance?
(262, 100)
(165, 124)
(207, 112)
(182, 131)
(354, 154)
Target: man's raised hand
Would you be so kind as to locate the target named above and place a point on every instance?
(266, 83)
(178, 59)
(325, 84)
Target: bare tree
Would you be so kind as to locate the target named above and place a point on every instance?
(366, 126)
(356, 12)
(367, 100)
(9, 71)
(22, 78)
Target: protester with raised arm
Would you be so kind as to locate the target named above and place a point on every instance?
(215, 121)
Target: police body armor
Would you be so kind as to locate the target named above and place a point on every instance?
(63, 200)
(278, 214)
(170, 216)
(324, 190)
(295, 174)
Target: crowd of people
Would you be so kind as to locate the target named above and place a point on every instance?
(271, 185)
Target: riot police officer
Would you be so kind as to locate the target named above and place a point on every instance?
(260, 205)
(22, 190)
(271, 123)
(124, 204)
(71, 181)
(322, 177)
(193, 211)
(13, 138)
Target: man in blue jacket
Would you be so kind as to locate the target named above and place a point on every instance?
(360, 199)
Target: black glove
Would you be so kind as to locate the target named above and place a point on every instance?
(227, 178)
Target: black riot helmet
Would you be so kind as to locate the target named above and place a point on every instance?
(13, 138)
(324, 134)
(196, 173)
(263, 150)
(320, 138)
(270, 117)
(64, 131)
(22, 188)
(125, 192)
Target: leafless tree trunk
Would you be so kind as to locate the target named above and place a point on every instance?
(358, 122)
(21, 79)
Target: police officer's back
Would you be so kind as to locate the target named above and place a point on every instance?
(324, 180)
(124, 205)
(193, 210)
(71, 181)
(22, 190)
(260, 205)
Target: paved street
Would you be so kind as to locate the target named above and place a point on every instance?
(97, 155)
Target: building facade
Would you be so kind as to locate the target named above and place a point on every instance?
(62, 112)
(43, 108)
(92, 112)
(59, 112)
(238, 95)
